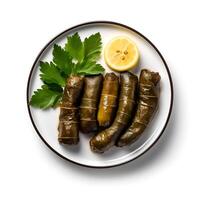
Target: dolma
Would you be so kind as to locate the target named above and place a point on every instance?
(148, 100)
(107, 138)
(108, 100)
(89, 103)
(69, 116)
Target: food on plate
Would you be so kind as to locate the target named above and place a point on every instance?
(108, 100)
(116, 107)
(69, 115)
(89, 103)
(107, 138)
(148, 101)
(121, 54)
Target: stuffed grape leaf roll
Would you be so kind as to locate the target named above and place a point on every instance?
(108, 100)
(69, 115)
(107, 138)
(89, 103)
(148, 101)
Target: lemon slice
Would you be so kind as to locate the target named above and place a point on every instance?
(121, 54)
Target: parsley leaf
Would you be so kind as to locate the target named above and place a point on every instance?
(93, 46)
(75, 47)
(76, 58)
(45, 98)
(89, 68)
(53, 86)
(51, 74)
(62, 60)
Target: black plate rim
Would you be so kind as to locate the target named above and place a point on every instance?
(78, 26)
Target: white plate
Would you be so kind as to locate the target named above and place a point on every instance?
(45, 122)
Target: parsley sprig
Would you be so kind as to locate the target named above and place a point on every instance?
(76, 57)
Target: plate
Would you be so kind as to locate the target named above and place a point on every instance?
(46, 122)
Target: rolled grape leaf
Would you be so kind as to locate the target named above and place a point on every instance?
(108, 100)
(69, 115)
(89, 103)
(148, 101)
(107, 138)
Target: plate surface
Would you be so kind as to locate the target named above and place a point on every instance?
(45, 122)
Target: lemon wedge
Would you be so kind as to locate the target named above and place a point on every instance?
(121, 54)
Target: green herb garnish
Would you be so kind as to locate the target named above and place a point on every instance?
(76, 57)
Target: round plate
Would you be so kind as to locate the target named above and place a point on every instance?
(46, 122)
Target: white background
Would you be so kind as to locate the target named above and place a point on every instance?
(29, 170)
